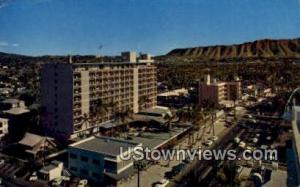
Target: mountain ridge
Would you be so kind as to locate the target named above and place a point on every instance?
(258, 49)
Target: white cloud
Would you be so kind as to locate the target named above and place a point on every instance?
(15, 45)
(6, 44)
(3, 44)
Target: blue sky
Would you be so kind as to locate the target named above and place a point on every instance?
(38, 27)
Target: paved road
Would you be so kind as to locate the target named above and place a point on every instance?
(157, 172)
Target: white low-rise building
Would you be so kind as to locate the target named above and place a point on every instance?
(52, 171)
(99, 159)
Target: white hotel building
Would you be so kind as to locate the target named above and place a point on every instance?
(70, 91)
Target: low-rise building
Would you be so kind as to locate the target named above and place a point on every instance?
(173, 98)
(13, 106)
(52, 171)
(216, 92)
(19, 117)
(35, 146)
(98, 159)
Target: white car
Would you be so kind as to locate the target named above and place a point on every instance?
(82, 183)
(214, 138)
(208, 142)
(2, 162)
(33, 177)
(249, 148)
(237, 140)
(242, 144)
(162, 183)
(239, 169)
(248, 116)
(254, 140)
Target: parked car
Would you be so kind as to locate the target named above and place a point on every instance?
(33, 177)
(242, 144)
(208, 142)
(213, 138)
(162, 183)
(239, 169)
(237, 140)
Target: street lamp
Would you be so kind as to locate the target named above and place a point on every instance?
(139, 165)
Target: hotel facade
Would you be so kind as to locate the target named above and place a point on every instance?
(70, 92)
(218, 92)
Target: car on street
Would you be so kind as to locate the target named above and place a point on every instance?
(161, 183)
(208, 143)
(213, 138)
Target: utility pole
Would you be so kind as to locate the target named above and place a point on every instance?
(139, 165)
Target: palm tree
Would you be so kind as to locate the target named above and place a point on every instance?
(143, 101)
(169, 124)
(123, 117)
(98, 110)
(85, 121)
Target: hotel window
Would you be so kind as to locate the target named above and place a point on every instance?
(84, 171)
(84, 158)
(96, 175)
(73, 169)
(96, 162)
(73, 156)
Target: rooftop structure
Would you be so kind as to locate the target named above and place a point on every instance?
(129, 56)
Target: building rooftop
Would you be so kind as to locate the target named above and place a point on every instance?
(11, 101)
(158, 111)
(104, 145)
(177, 92)
(16, 111)
(154, 140)
(3, 120)
(94, 64)
(31, 139)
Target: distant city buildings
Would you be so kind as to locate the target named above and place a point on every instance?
(77, 97)
(99, 159)
(213, 91)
